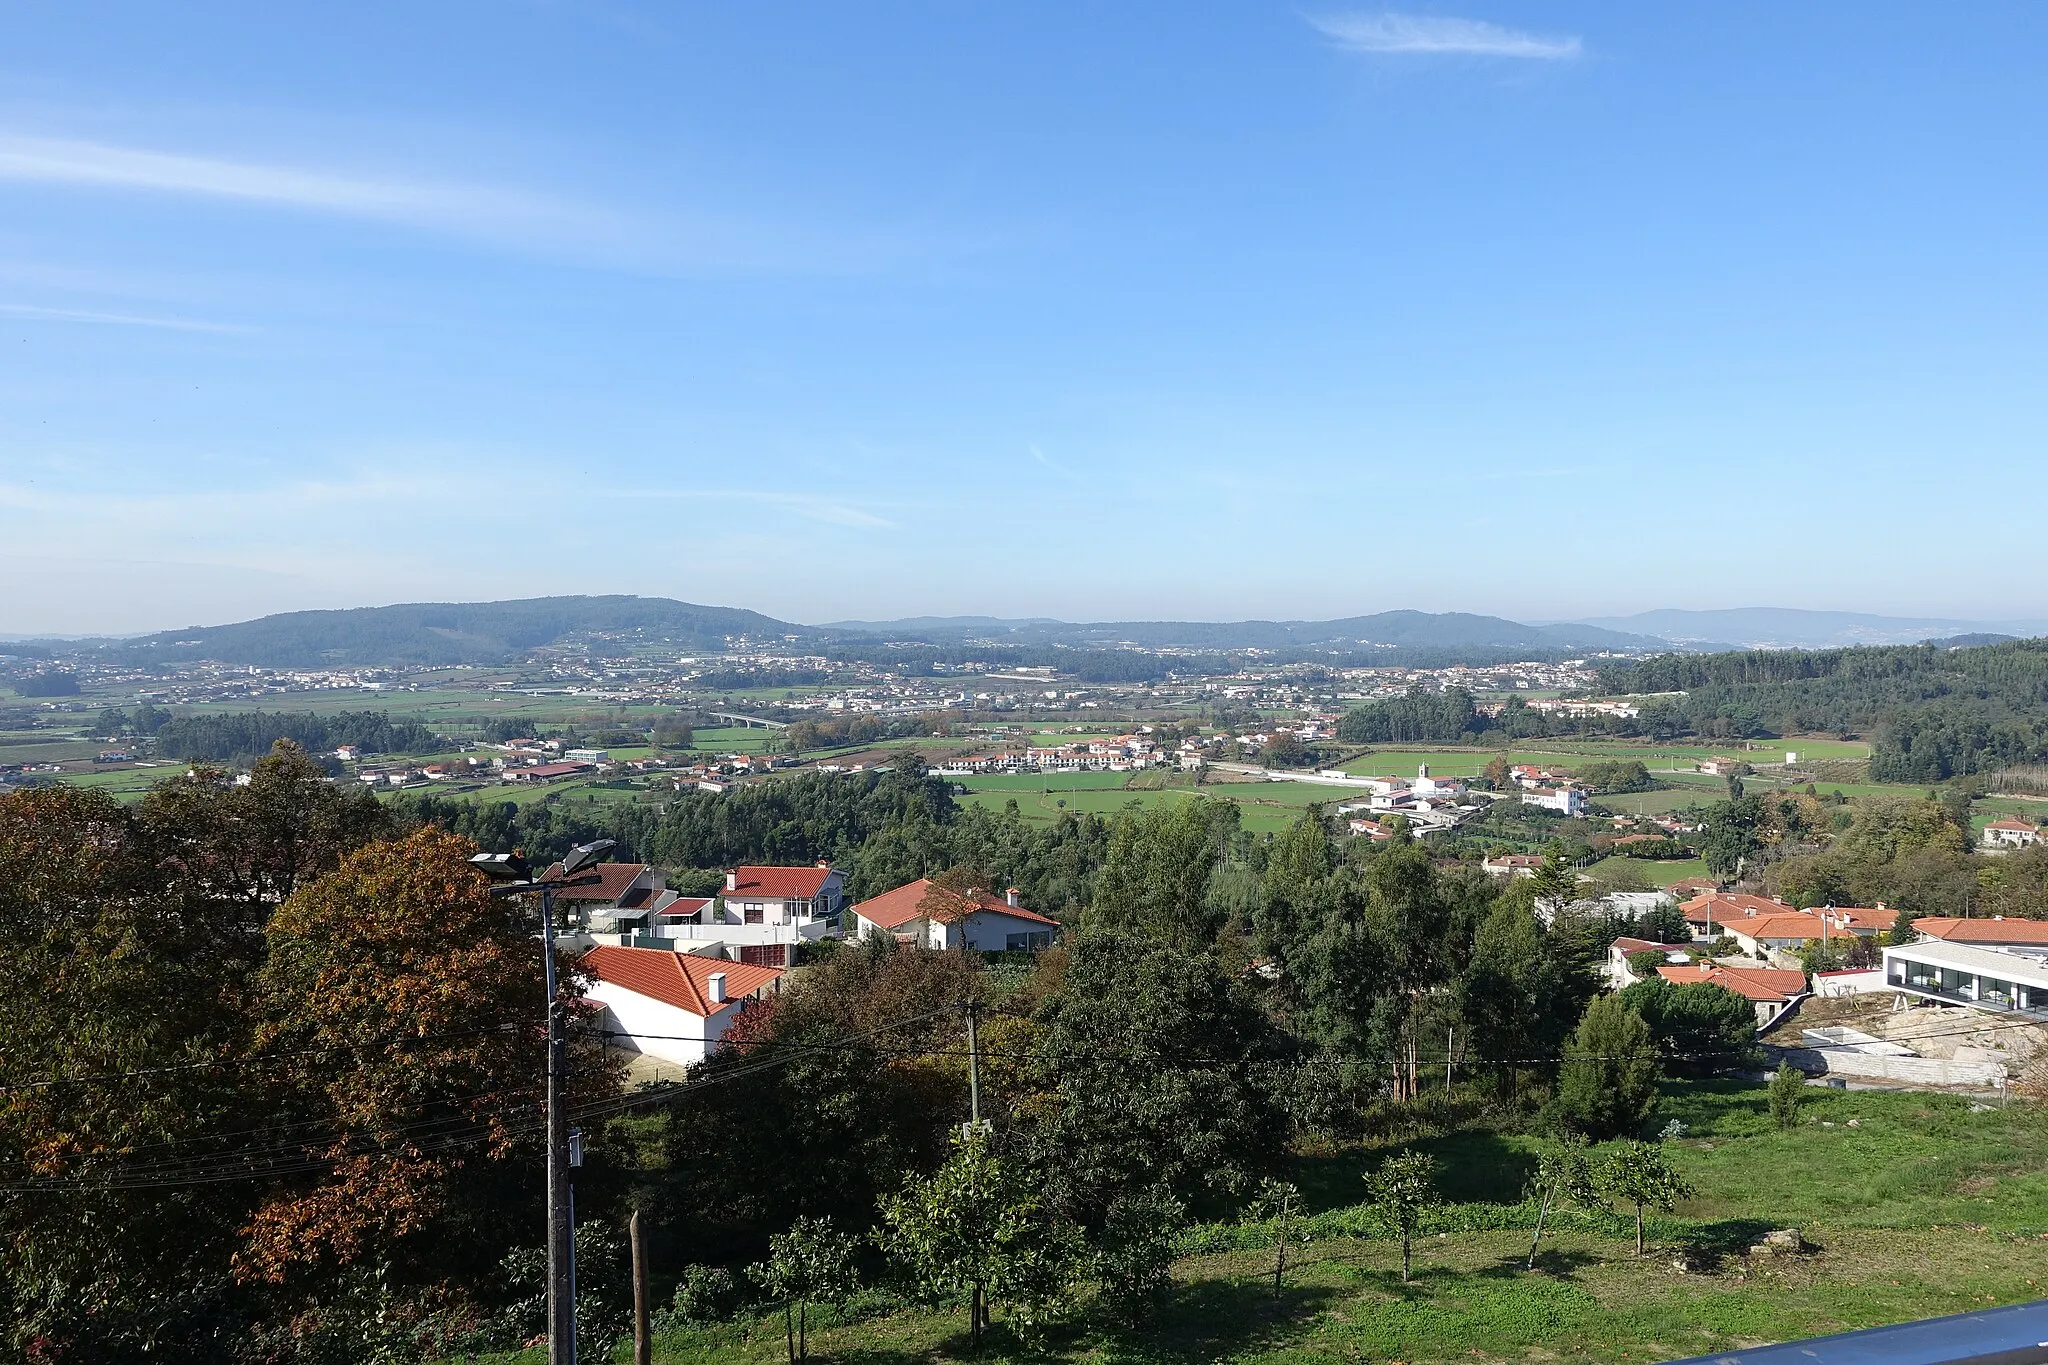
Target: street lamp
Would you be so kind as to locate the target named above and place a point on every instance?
(514, 876)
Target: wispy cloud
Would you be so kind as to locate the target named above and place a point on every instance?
(470, 210)
(35, 314)
(1426, 35)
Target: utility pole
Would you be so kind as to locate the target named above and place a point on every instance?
(643, 1346)
(516, 876)
(974, 1063)
(561, 1223)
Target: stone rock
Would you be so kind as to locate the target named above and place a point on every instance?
(1782, 1242)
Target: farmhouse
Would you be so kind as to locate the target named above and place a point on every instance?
(924, 912)
(2010, 833)
(1513, 864)
(671, 1005)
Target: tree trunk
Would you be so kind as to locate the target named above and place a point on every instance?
(1639, 1229)
(974, 1318)
(1541, 1209)
(789, 1332)
(1405, 1249)
(803, 1330)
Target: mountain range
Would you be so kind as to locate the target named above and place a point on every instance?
(441, 633)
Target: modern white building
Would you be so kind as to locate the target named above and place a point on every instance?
(1568, 801)
(1963, 974)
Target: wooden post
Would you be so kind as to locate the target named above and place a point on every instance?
(643, 1345)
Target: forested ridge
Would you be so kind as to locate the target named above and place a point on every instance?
(1931, 713)
(239, 736)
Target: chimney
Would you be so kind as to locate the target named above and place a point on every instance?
(1010, 897)
(714, 986)
(732, 881)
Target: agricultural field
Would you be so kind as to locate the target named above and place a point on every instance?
(1266, 807)
(1925, 1207)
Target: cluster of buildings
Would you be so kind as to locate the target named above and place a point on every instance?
(1120, 753)
(672, 973)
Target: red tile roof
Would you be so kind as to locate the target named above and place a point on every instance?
(679, 979)
(1751, 983)
(613, 879)
(779, 883)
(2010, 823)
(683, 908)
(1725, 906)
(893, 909)
(1993, 930)
(1795, 924)
(1880, 918)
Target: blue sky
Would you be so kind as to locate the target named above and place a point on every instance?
(1082, 310)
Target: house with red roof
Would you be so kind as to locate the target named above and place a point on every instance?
(762, 914)
(2011, 833)
(1769, 989)
(1993, 931)
(924, 912)
(676, 1006)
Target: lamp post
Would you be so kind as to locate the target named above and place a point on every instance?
(515, 877)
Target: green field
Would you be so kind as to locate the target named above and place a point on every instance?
(1924, 1208)
(1463, 762)
(1656, 873)
(1265, 807)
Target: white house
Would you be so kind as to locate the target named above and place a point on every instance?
(762, 914)
(2011, 833)
(926, 913)
(671, 1005)
(1568, 801)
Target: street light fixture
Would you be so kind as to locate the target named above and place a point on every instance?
(514, 877)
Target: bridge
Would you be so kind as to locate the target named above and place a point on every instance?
(749, 721)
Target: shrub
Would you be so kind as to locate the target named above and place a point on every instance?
(1788, 1090)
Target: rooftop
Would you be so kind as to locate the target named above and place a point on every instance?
(679, 979)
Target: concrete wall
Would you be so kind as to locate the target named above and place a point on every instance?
(1905, 1070)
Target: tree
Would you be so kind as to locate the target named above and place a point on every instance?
(1285, 750)
(1155, 877)
(1638, 1173)
(1609, 1083)
(1281, 1202)
(1151, 1056)
(1733, 833)
(1554, 883)
(811, 1261)
(408, 1000)
(1520, 995)
(1700, 1028)
(1788, 1089)
(977, 1225)
(1564, 1175)
(1400, 1191)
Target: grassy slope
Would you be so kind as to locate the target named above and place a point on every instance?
(1925, 1208)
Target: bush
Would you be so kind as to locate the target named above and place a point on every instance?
(1788, 1091)
(1609, 1082)
(707, 1293)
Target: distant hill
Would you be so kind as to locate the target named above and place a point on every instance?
(429, 633)
(1783, 627)
(1410, 629)
(1982, 637)
(439, 633)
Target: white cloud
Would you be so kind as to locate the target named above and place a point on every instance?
(469, 210)
(35, 314)
(1431, 35)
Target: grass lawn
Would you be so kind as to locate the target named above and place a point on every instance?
(1657, 802)
(1658, 873)
(1923, 1209)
